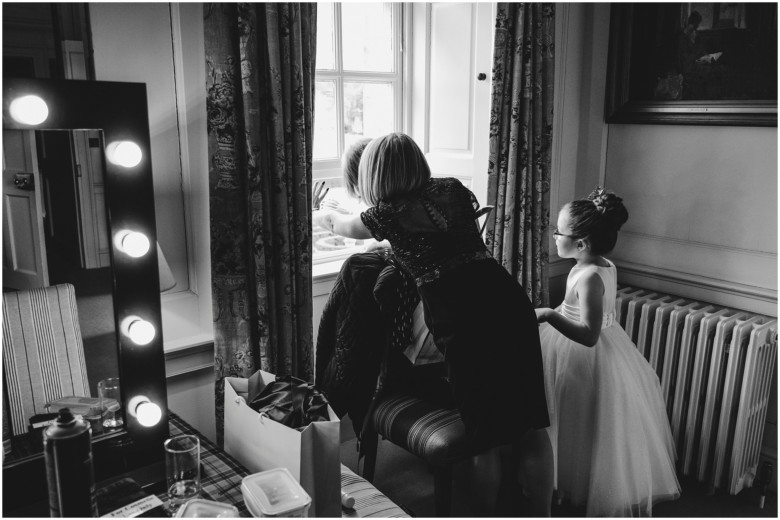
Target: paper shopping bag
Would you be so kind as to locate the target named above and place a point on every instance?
(260, 444)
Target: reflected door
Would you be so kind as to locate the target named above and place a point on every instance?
(24, 250)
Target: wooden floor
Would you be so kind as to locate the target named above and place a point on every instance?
(405, 479)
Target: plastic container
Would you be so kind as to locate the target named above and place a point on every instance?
(275, 493)
(202, 508)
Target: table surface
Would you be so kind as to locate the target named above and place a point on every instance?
(221, 476)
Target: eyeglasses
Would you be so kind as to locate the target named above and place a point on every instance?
(557, 234)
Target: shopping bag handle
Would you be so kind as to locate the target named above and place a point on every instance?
(238, 400)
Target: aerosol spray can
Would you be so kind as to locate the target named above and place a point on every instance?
(67, 446)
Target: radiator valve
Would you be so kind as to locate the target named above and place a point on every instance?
(766, 481)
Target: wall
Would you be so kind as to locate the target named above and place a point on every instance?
(162, 45)
(702, 199)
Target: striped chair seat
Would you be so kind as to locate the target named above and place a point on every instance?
(43, 354)
(369, 502)
(436, 434)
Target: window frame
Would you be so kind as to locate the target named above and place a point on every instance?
(329, 169)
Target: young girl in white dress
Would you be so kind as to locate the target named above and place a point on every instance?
(613, 447)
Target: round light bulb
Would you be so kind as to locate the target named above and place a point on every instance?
(148, 413)
(29, 110)
(133, 243)
(140, 331)
(124, 153)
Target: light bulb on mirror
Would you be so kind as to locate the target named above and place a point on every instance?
(124, 153)
(132, 243)
(29, 110)
(140, 331)
(143, 409)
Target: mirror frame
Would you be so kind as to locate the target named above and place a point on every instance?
(120, 110)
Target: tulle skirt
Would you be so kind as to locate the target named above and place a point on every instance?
(613, 447)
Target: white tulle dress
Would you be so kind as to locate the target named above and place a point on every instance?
(613, 447)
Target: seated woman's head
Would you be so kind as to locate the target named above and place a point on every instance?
(350, 162)
(391, 166)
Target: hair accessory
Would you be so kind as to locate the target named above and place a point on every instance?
(600, 199)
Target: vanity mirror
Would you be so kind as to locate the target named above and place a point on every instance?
(119, 111)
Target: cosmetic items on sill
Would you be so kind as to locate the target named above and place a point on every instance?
(67, 445)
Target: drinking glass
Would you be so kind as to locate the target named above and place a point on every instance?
(182, 469)
(110, 402)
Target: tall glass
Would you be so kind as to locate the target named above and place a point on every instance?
(182, 468)
(110, 402)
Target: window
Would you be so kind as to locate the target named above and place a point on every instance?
(358, 94)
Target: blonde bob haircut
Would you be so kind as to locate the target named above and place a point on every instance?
(391, 166)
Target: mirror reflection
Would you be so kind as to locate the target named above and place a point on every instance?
(55, 235)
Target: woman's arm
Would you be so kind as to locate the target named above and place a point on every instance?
(350, 226)
(590, 291)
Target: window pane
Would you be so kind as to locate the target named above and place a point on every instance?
(326, 56)
(367, 36)
(368, 110)
(325, 136)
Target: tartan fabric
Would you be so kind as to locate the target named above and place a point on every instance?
(222, 474)
(436, 434)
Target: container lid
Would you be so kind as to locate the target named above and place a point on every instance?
(273, 492)
(202, 508)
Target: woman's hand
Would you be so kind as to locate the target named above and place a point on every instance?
(374, 245)
(543, 314)
(318, 195)
(335, 206)
(323, 219)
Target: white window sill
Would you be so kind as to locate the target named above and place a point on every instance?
(326, 270)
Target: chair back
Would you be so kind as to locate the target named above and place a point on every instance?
(43, 354)
(483, 211)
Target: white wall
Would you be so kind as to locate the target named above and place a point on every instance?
(162, 45)
(579, 131)
(702, 199)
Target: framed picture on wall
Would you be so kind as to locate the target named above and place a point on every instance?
(693, 63)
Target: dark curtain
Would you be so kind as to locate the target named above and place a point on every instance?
(260, 61)
(521, 116)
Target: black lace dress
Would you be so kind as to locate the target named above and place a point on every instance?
(480, 317)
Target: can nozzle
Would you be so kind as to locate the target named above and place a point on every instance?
(65, 416)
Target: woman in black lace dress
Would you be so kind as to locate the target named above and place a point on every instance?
(480, 317)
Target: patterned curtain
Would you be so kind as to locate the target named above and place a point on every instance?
(521, 116)
(260, 61)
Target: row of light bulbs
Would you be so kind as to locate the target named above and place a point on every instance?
(32, 110)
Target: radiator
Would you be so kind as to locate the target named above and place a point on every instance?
(715, 366)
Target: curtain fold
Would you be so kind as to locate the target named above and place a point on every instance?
(260, 64)
(521, 117)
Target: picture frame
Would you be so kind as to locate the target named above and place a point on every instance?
(668, 63)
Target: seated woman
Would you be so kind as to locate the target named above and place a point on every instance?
(373, 303)
(479, 315)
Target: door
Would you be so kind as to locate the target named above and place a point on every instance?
(24, 251)
(451, 73)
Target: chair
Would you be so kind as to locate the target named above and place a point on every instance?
(422, 428)
(435, 434)
(43, 355)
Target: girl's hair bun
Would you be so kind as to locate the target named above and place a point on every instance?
(610, 206)
(598, 217)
